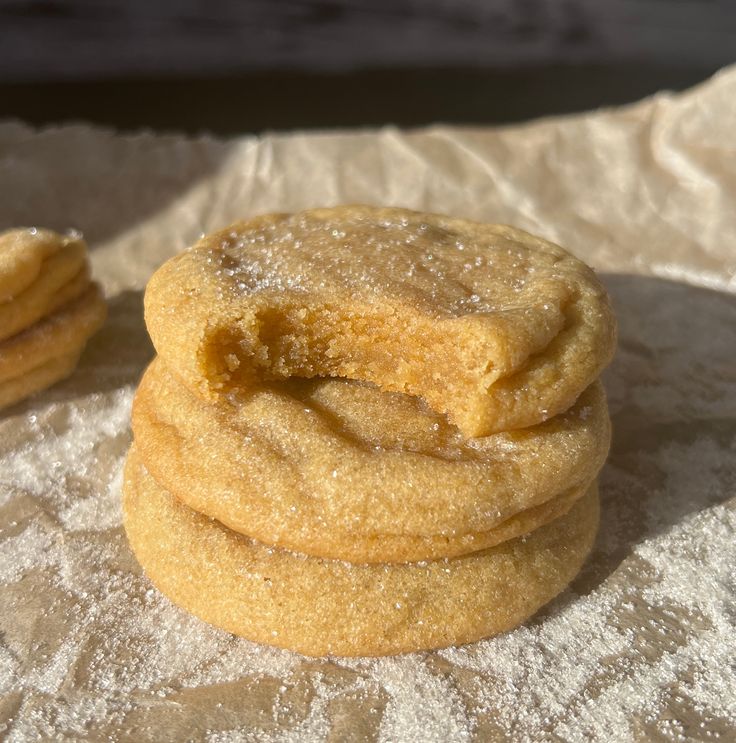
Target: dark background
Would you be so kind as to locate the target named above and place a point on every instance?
(229, 66)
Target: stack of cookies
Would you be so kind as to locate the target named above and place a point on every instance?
(49, 308)
(369, 431)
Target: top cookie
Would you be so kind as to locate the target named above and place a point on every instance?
(22, 251)
(492, 326)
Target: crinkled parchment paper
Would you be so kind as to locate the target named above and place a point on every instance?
(642, 645)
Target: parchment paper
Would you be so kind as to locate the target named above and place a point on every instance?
(641, 647)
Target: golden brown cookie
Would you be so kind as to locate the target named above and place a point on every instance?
(34, 380)
(339, 469)
(60, 335)
(22, 252)
(321, 607)
(491, 325)
(63, 276)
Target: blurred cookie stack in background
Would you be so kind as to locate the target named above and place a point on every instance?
(49, 308)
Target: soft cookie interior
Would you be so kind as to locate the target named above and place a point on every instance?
(452, 364)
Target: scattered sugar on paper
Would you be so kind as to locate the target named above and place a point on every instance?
(640, 647)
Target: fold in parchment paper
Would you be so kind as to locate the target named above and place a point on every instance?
(640, 647)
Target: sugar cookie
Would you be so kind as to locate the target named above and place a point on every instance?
(339, 469)
(34, 380)
(22, 252)
(63, 277)
(495, 327)
(321, 607)
(59, 335)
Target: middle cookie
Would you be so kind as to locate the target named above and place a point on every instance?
(338, 469)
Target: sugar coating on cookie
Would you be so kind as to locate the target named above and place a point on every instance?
(492, 326)
(337, 468)
(330, 607)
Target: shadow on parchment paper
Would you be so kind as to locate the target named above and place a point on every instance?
(671, 392)
(119, 353)
(95, 181)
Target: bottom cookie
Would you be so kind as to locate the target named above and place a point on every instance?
(329, 607)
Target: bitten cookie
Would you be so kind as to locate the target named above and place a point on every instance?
(492, 326)
(339, 469)
(330, 607)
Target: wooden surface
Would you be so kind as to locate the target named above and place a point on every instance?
(232, 66)
(91, 39)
